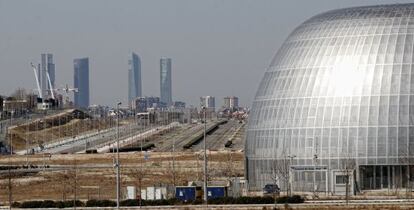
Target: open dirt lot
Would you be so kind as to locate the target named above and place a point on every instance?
(92, 176)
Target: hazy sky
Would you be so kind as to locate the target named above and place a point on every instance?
(217, 48)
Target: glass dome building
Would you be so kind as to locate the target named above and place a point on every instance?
(337, 98)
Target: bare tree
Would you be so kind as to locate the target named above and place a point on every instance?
(64, 179)
(347, 166)
(280, 172)
(8, 185)
(138, 175)
(75, 180)
(229, 165)
(404, 159)
(274, 176)
(198, 166)
(171, 173)
(19, 94)
(3, 187)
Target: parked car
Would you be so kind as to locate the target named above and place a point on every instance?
(271, 189)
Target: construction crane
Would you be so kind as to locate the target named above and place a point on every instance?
(37, 81)
(66, 90)
(50, 86)
(45, 105)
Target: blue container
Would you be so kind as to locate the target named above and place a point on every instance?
(216, 192)
(185, 193)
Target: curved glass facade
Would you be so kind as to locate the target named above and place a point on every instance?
(340, 87)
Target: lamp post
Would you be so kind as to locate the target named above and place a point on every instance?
(205, 156)
(10, 165)
(291, 157)
(173, 156)
(27, 136)
(315, 159)
(117, 166)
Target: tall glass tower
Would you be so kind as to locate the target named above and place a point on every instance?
(51, 71)
(134, 78)
(48, 66)
(165, 81)
(81, 80)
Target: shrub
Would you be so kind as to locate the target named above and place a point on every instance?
(196, 202)
(223, 200)
(163, 202)
(31, 204)
(14, 205)
(241, 200)
(254, 200)
(129, 202)
(48, 204)
(291, 199)
(296, 199)
(60, 204)
(100, 203)
(69, 203)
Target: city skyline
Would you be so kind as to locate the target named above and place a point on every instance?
(211, 42)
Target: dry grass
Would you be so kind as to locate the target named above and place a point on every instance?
(53, 127)
(58, 185)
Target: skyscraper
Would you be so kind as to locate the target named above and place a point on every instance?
(81, 81)
(51, 70)
(48, 66)
(42, 75)
(209, 102)
(231, 102)
(165, 81)
(134, 78)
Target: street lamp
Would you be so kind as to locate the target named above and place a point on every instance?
(117, 166)
(315, 159)
(11, 137)
(205, 156)
(291, 157)
(10, 164)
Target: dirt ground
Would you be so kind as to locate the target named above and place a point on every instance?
(92, 176)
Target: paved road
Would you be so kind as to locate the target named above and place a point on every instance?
(179, 139)
(336, 204)
(239, 137)
(217, 139)
(93, 140)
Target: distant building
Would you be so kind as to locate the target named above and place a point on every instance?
(208, 102)
(1, 104)
(179, 104)
(81, 81)
(98, 111)
(231, 102)
(165, 81)
(60, 100)
(48, 66)
(142, 104)
(16, 106)
(134, 78)
(339, 109)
